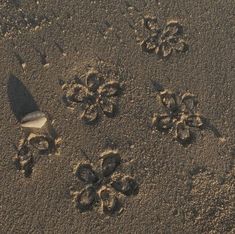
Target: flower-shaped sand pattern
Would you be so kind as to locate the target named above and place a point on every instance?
(180, 115)
(163, 40)
(31, 148)
(94, 95)
(104, 186)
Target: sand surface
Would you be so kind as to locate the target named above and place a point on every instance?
(167, 186)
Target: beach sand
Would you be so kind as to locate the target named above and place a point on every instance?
(168, 185)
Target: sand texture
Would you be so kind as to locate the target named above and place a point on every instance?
(117, 116)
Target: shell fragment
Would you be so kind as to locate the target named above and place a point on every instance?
(35, 119)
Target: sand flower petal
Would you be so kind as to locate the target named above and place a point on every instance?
(92, 81)
(23, 150)
(165, 49)
(42, 143)
(150, 44)
(172, 40)
(27, 166)
(79, 93)
(194, 121)
(181, 46)
(24, 164)
(173, 28)
(151, 23)
(85, 173)
(109, 89)
(107, 106)
(162, 122)
(74, 92)
(110, 203)
(90, 114)
(86, 198)
(111, 160)
(183, 133)
(189, 102)
(126, 185)
(168, 99)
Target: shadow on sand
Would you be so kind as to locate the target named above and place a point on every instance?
(21, 100)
